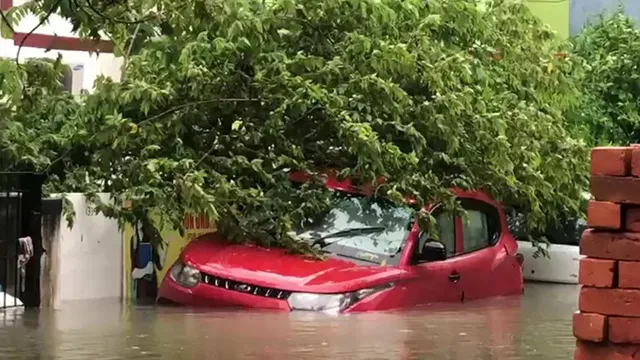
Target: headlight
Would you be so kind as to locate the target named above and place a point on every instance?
(331, 302)
(184, 275)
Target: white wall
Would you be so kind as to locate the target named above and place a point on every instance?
(88, 257)
(94, 65)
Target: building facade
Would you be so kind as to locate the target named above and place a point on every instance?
(568, 17)
(553, 12)
(86, 59)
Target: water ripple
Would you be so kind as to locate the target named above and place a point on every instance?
(536, 326)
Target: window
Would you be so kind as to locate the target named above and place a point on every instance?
(480, 226)
(563, 232)
(447, 232)
(446, 228)
(475, 231)
(352, 211)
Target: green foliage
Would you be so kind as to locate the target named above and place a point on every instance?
(610, 81)
(36, 116)
(212, 113)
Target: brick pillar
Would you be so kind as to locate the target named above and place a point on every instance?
(608, 324)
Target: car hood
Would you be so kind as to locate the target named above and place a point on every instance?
(274, 268)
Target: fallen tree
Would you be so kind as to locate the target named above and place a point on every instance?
(226, 97)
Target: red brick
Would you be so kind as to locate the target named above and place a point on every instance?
(590, 327)
(622, 190)
(632, 219)
(597, 272)
(629, 274)
(604, 215)
(610, 245)
(611, 160)
(635, 160)
(593, 351)
(624, 330)
(616, 302)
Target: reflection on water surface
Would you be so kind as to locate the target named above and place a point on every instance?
(536, 326)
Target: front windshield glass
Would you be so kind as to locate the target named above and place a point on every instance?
(391, 225)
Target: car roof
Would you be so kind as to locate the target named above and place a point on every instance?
(332, 181)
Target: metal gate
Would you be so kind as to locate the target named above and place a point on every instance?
(20, 217)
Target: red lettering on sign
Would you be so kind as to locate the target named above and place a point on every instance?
(199, 222)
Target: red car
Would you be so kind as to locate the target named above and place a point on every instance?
(378, 259)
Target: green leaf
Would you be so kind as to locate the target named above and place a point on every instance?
(236, 125)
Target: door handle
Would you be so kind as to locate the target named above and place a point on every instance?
(454, 277)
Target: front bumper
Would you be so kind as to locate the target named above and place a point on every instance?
(205, 295)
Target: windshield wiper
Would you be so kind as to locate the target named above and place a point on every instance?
(347, 232)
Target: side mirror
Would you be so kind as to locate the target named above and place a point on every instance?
(432, 250)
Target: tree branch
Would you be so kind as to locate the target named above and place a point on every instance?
(129, 22)
(4, 19)
(42, 21)
(196, 103)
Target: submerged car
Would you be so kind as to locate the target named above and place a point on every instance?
(378, 258)
(563, 260)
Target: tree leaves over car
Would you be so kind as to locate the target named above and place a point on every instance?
(220, 100)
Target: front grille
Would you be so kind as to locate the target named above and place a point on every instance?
(245, 288)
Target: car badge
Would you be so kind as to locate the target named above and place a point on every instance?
(243, 287)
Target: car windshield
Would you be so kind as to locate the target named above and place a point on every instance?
(567, 232)
(379, 226)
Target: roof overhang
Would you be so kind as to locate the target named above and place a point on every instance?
(53, 42)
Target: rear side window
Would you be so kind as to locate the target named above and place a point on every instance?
(476, 231)
(480, 226)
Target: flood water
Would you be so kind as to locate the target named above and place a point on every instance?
(534, 326)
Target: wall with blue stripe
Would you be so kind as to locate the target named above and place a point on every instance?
(568, 17)
(581, 11)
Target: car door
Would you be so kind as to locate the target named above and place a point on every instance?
(482, 255)
(436, 281)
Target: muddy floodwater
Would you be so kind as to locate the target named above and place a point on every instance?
(534, 326)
